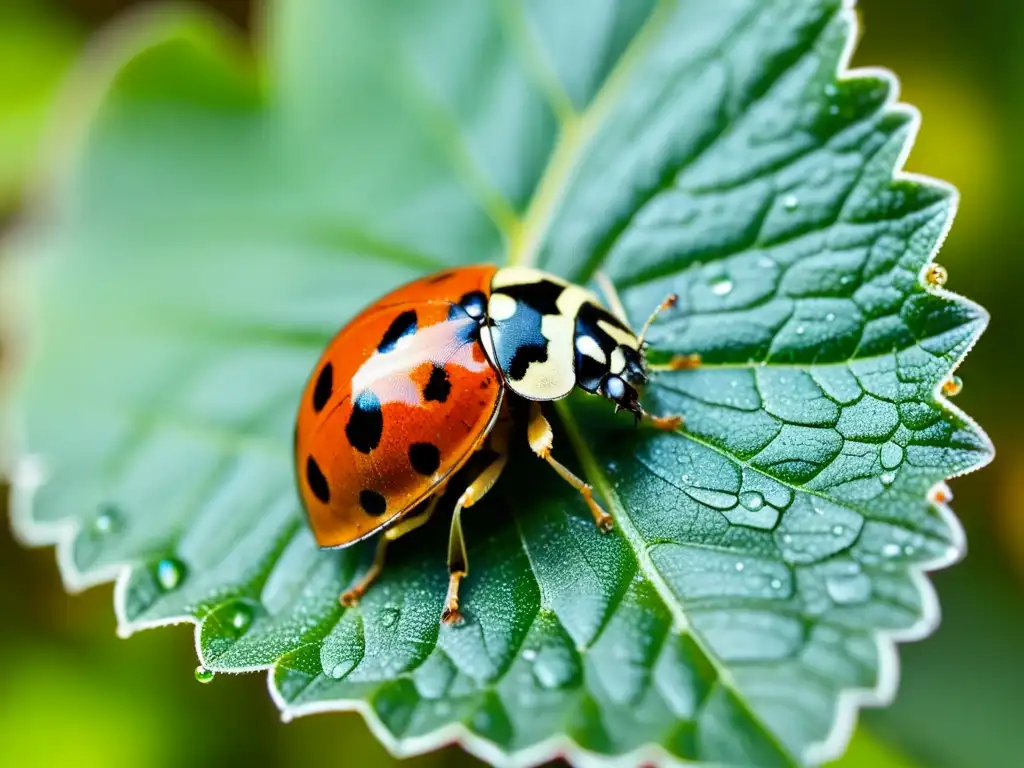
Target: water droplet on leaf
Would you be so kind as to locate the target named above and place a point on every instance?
(389, 617)
(109, 520)
(204, 674)
(752, 500)
(847, 590)
(891, 550)
(790, 202)
(342, 668)
(721, 287)
(170, 572)
(891, 456)
(739, 566)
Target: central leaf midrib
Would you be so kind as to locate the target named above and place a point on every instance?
(624, 524)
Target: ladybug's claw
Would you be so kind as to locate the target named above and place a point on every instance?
(452, 616)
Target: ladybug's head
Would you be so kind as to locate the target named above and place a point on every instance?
(621, 388)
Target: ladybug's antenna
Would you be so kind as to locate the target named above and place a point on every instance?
(611, 296)
(668, 303)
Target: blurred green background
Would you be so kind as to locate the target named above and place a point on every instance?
(72, 693)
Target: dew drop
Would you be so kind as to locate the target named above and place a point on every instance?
(389, 617)
(787, 538)
(790, 202)
(838, 530)
(909, 549)
(800, 330)
(891, 550)
(831, 90)
(752, 500)
(739, 566)
(342, 668)
(847, 590)
(722, 287)
(833, 109)
(830, 317)
(530, 654)
(765, 262)
(204, 674)
(240, 617)
(170, 572)
(891, 456)
(936, 275)
(110, 520)
(554, 669)
(952, 386)
(888, 478)
(776, 584)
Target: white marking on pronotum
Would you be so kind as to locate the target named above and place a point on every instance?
(586, 345)
(501, 307)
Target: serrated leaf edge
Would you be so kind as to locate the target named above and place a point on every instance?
(28, 473)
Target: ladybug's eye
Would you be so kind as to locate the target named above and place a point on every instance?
(614, 388)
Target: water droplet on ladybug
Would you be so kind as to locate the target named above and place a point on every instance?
(204, 674)
(952, 386)
(936, 275)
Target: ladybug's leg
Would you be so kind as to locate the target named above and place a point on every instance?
(411, 523)
(541, 437)
(458, 564)
(677, 363)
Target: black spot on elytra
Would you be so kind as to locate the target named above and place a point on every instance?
(372, 502)
(542, 296)
(366, 424)
(425, 458)
(438, 388)
(324, 387)
(403, 325)
(316, 480)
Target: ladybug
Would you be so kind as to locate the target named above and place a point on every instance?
(423, 379)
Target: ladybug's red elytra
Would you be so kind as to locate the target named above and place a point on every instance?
(423, 378)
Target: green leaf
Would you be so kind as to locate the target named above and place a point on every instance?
(225, 218)
(35, 49)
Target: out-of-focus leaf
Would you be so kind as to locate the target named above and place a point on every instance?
(224, 220)
(35, 50)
